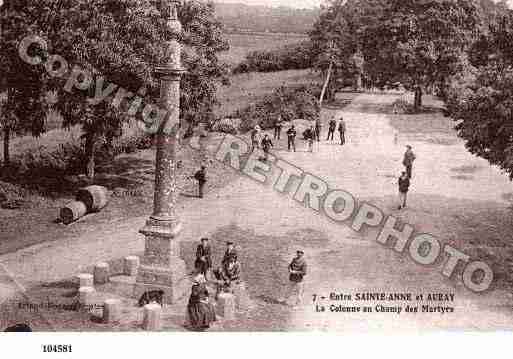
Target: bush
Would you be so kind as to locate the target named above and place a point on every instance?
(289, 57)
(288, 102)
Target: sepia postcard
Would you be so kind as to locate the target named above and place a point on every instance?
(336, 166)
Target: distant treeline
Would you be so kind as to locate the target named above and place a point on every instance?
(289, 57)
(282, 19)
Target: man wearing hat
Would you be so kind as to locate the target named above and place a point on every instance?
(203, 257)
(201, 177)
(408, 159)
(230, 252)
(297, 270)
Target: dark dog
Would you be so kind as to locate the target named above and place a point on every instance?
(19, 328)
(151, 296)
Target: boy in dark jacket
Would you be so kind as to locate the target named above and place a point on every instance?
(404, 185)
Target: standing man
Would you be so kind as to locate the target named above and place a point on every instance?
(203, 261)
(201, 177)
(404, 185)
(309, 137)
(277, 128)
(318, 127)
(331, 129)
(291, 138)
(295, 288)
(408, 159)
(266, 146)
(230, 252)
(342, 131)
(255, 138)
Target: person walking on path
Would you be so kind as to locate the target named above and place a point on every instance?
(203, 261)
(291, 138)
(404, 185)
(408, 159)
(331, 129)
(277, 128)
(295, 288)
(266, 146)
(201, 177)
(342, 131)
(318, 128)
(255, 138)
(309, 137)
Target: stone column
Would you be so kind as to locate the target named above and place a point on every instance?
(161, 267)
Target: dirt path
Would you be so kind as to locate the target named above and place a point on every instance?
(271, 226)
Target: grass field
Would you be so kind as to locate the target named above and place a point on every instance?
(242, 44)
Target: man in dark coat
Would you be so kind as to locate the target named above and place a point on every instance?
(297, 271)
(309, 135)
(266, 146)
(404, 185)
(318, 127)
(203, 257)
(331, 129)
(277, 128)
(291, 138)
(201, 177)
(342, 131)
(408, 159)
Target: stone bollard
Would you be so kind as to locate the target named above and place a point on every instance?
(111, 310)
(101, 273)
(226, 306)
(152, 314)
(85, 280)
(242, 300)
(131, 265)
(86, 296)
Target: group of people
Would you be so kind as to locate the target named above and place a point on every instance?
(314, 132)
(227, 278)
(200, 309)
(260, 140)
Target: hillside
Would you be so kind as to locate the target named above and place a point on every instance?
(247, 18)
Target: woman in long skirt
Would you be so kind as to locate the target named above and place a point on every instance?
(200, 311)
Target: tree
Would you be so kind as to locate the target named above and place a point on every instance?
(333, 43)
(483, 105)
(118, 44)
(22, 86)
(481, 100)
(418, 42)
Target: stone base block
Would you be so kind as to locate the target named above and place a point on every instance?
(172, 280)
(226, 306)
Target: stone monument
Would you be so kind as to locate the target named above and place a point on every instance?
(161, 266)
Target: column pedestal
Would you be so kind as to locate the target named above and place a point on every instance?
(161, 267)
